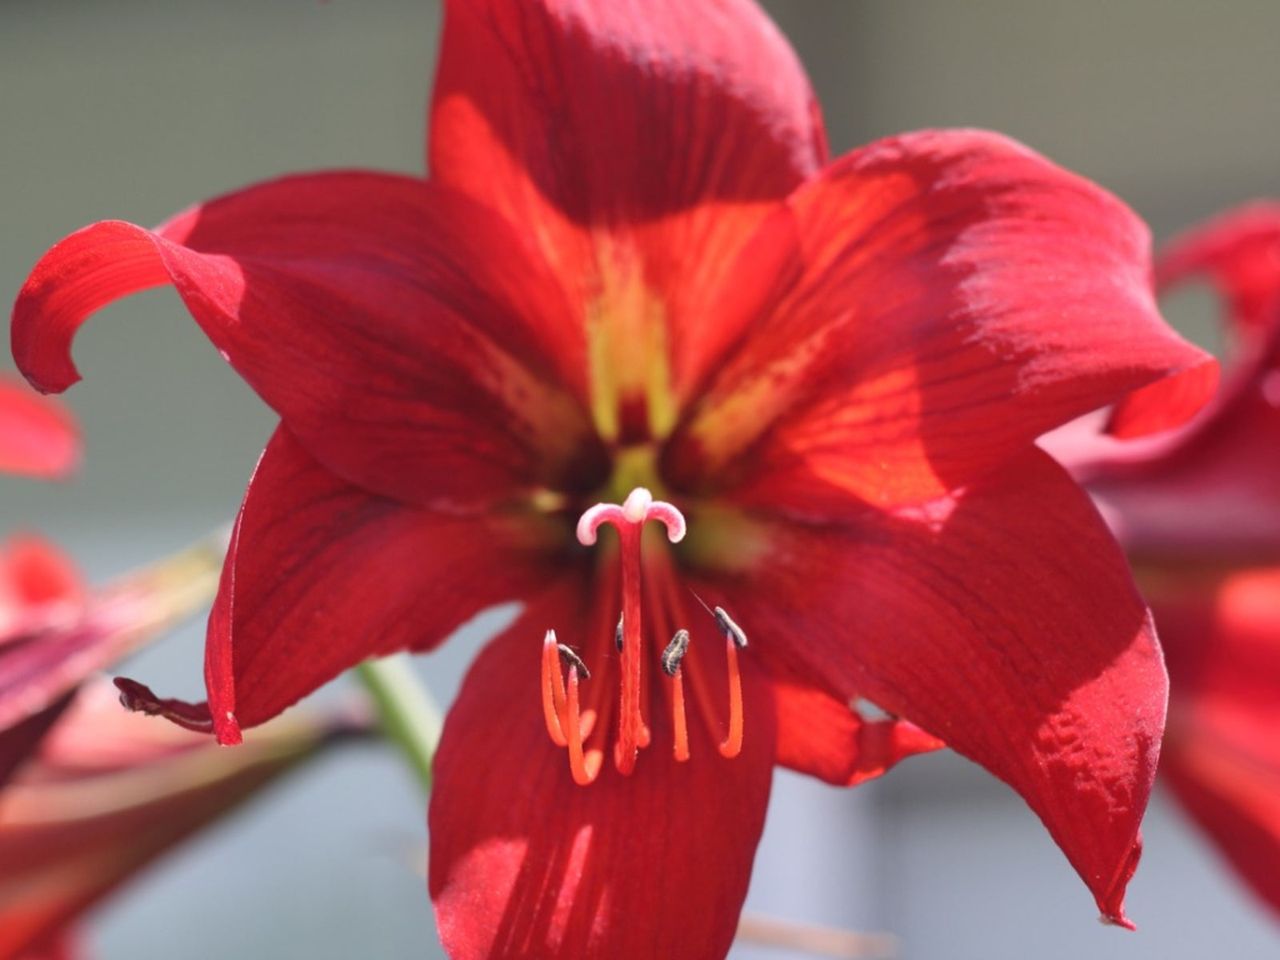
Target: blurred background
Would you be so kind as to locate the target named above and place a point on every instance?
(135, 109)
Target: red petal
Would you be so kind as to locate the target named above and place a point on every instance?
(619, 112)
(1003, 620)
(37, 581)
(1163, 405)
(1231, 793)
(1222, 756)
(19, 742)
(526, 863)
(54, 654)
(111, 792)
(823, 736)
(62, 947)
(395, 326)
(821, 732)
(1239, 252)
(1213, 487)
(321, 576)
(923, 310)
(37, 436)
(639, 144)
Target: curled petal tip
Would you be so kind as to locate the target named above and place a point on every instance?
(1117, 920)
(140, 698)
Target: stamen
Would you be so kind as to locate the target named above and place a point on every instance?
(671, 659)
(732, 745)
(585, 768)
(572, 660)
(567, 723)
(735, 639)
(725, 622)
(729, 628)
(629, 519)
(675, 652)
(681, 748)
(553, 693)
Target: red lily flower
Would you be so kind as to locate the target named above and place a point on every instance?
(108, 793)
(54, 633)
(1199, 511)
(37, 436)
(633, 268)
(39, 586)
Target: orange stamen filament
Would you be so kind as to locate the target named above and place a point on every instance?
(553, 694)
(732, 744)
(681, 748)
(584, 767)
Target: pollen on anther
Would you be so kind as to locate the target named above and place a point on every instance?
(674, 652)
(730, 629)
(570, 659)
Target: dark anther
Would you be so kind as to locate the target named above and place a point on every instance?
(675, 652)
(731, 629)
(617, 634)
(571, 659)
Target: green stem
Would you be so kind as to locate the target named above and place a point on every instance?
(409, 717)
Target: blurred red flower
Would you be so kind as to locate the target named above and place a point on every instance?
(107, 793)
(1199, 511)
(55, 632)
(634, 268)
(37, 436)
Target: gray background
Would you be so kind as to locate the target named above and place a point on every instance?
(135, 109)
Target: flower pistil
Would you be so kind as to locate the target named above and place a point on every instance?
(568, 724)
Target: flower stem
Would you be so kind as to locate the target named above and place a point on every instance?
(409, 717)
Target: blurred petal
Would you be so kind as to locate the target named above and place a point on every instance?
(1003, 620)
(1215, 484)
(1213, 488)
(526, 863)
(1231, 793)
(395, 326)
(37, 436)
(1221, 755)
(923, 310)
(1239, 253)
(20, 740)
(39, 668)
(110, 792)
(38, 584)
